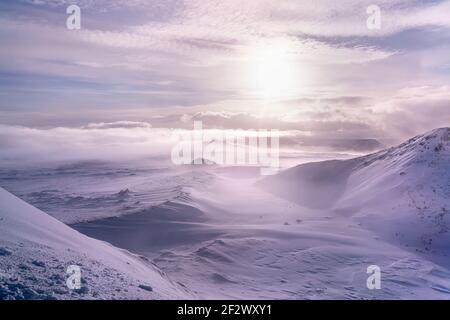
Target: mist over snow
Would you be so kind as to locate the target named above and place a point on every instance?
(118, 141)
(217, 232)
(123, 141)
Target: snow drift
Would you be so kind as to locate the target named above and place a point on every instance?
(310, 232)
(36, 249)
(402, 192)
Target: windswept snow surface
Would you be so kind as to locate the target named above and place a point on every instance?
(36, 249)
(309, 232)
(402, 193)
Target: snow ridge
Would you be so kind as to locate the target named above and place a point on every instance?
(36, 249)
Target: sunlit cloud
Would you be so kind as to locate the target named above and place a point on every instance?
(151, 61)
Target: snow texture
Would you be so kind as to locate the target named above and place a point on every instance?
(201, 232)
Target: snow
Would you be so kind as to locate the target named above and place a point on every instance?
(309, 232)
(39, 249)
(402, 193)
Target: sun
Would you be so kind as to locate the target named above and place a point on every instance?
(272, 72)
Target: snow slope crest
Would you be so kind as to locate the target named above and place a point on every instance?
(403, 192)
(425, 147)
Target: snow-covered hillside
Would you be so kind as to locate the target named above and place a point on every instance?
(402, 193)
(310, 232)
(36, 249)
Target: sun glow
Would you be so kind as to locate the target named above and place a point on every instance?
(272, 72)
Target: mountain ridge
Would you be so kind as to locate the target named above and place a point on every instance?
(402, 192)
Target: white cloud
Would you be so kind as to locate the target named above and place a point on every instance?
(118, 124)
(196, 56)
(120, 141)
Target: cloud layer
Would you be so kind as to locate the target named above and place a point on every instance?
(159, 61)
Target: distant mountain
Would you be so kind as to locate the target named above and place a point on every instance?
(402, 192)
(203, 161)
(336, 144)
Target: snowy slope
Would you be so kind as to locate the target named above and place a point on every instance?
(309, 233)
(402, 193)
(36, 249)
(260, 246)
(270, 248)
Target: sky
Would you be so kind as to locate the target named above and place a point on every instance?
(310, 66)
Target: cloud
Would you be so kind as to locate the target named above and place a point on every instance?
(118, 124)
(414, 110)
(339, 123)
(104, 142)
(128, 142)
(133, 58)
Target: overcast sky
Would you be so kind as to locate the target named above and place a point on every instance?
(313, 66)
